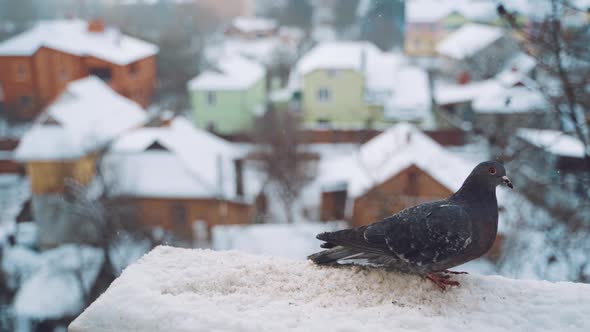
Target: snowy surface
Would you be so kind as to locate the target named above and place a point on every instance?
(468, 40)
(554, 141)
(286, 240)
(232, 72)
(518, 99)
(199, 290)
(72, 36)
(55, 289)
(87, 115)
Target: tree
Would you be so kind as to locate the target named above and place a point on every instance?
(282, 157)
(562, 54)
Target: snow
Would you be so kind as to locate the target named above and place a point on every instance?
(198, 164)
(263, 50)
(253, 24)
(231, 73)
(468, 40)
(410, 100)
(72, 37)
(174, 289)
(431, 11)
(339, 55)
(87, 115)
(516, 69)
(446, 94)
(553, 141)
(285, 240)
(518, 99)
(53, 291)
(14, 192)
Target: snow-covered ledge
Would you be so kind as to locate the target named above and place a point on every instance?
(174, 289)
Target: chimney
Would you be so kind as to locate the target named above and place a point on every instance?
(239, 170)
(96, 25)
(363, 60)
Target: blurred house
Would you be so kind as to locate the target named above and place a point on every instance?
(397, 169)
(251, 28)
(259, 39)
(65, 142)
(180, 179)
(354, 84)
(554, 158)
(430, 21)
(37, 65)
(228, 97)
(476, 102)
(475, 52)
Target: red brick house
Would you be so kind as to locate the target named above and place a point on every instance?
(36, 65)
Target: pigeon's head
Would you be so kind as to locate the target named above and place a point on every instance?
(492, 173)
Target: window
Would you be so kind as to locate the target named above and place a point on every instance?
(25, 101)
(102, 73)
(1, 93)
(64, 75)
(324, 94)
(211, 98)
(134, 69)
(332, 73)
(179, 215)
(21, 72)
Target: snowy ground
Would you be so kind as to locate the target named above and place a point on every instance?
(200, 290)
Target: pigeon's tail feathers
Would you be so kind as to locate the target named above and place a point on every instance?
(352, 239)
(331, 256)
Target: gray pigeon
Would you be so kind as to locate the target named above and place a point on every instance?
(430, 238)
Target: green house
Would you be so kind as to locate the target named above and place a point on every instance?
(227, 98)
(354, 85)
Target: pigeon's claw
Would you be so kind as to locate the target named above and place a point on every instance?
(454, 272)
(441, 281)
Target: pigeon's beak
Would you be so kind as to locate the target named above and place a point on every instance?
(507, 182)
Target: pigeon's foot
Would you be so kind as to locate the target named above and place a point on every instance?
(441, 281)
(454, 272)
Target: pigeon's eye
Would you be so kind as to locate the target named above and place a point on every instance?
(492, 170)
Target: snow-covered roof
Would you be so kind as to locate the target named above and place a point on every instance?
(53, 291)
(232, 72)
(445, 93)
(264, 50)
(338, 55)
(178, 289)
(253, 24)
(553, 141)
(468, 40)
(87, 115)
(516, 69)
(430, 11)
(391, 152)
(72, 36)
(518, 99)
(410, 100)
(192, 164)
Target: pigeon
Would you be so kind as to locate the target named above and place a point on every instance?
(430, 238)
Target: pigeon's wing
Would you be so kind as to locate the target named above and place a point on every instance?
(428, 236)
